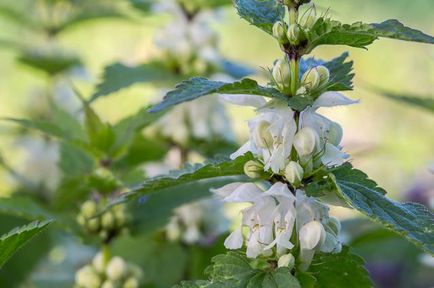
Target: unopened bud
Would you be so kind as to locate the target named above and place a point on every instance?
(262, 135)
(279, 32)
(87, 277)
(120, 215)
(93, 224)
(286, 260)
(311, 79)
(309, 19)
(89, 209)
(98, 263)
(282, 74)
(253, 169)
(108, 220)
(108, 284)
(131, 283)
(293, 34)
(324, 74)
(305, 141)
(116, 268)
(312, 235)
(294, 172)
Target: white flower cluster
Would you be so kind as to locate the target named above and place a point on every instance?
(115, 273)
(187, 40)
(288, 146)
(199, 222)
(106, 225)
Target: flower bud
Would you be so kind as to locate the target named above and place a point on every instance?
(282, 74)
(262, 135)
(120, 215)
(89, 209)
(108, 220)
(293, 34)
(253, 169)
(294, 173)
(108, 284)
(311, 79)
(116, 268)
(324, 74)
(309, 19)
(131, 283)
(93, 224)
(305, 141)
(286, 260)
(87, 277)
(312, 235)
(81, 220)
(98, 263)
(279, 32)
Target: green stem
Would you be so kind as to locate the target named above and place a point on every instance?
(106, 254)
(294, 65)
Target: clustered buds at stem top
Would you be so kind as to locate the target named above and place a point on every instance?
(279, 32)
(282, 74)
(116, 273)
(315, 77)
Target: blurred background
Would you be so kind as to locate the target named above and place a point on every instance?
(392, 142)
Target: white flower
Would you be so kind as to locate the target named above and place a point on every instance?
(271, 137)
(235, 240)
(330, 133)
(311, 236)
(305, 141)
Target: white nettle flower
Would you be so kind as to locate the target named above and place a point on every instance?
(330, 133)
(271, 137)
(270, 219)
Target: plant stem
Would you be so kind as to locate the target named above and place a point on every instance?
(294, 65)
(106, 253)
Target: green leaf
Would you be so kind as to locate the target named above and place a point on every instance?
(360, 35)
(10, 243)
(74, 161)
(197, 87)
(396, 30)
(413, 221)
(69, 124)
(261, 13)
(46, 127)
(212, 170)
(24, 207)
(426, 103)
(339, 270)
(119, 76)
(49, 62)
(100, 135)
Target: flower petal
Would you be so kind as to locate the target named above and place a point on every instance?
(235, 240)
(331, 99)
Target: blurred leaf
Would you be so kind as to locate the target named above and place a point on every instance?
(339, 270)
(261, 13)
(212, 170)
(49, 62)
(212, 147)
(16, 16)
(46, 127)
(426, 103)
(396, 30)
(142, 5)
(24, 207)
(70, 125)
(101, 135)
(197, 87)
(74, 161)
(10, 243)
(70, 192)
(413, 221)
(155, 255)
(360, 35)
(119, 76)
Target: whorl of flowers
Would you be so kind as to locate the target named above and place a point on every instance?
(284, 223)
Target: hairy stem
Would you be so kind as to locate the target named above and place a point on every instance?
(295, 68)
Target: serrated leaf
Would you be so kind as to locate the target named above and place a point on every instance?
(23, 207)
(119, 76)
(213, 170)
(198, 86)
(280, 278)
(413, 221)
(360, 35)
(261, 13)
(10, 243)
(426, 103)
(396, 30)
(339, 270)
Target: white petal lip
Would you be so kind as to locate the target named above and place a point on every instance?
(244, 100)
(311, 235)
(333, 156)
(331, 99)
(241, 151)
(235, 240)
(247, 192)
(226, 190)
